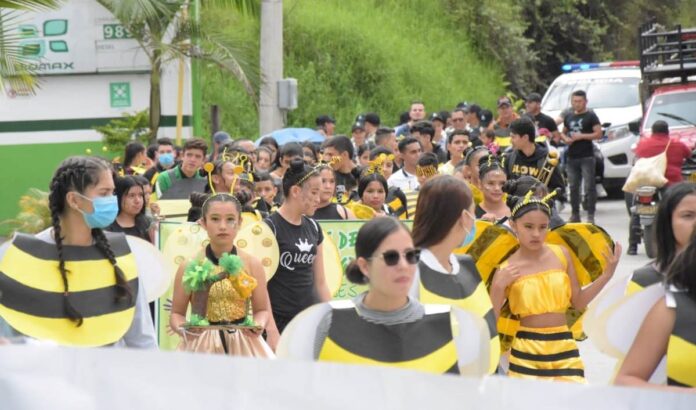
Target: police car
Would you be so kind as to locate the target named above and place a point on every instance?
(613, 93)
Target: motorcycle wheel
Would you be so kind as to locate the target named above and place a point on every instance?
(649, 241)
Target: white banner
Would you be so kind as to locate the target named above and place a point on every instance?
(41, 377)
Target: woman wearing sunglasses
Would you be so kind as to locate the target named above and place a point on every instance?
(366, 329)
(445, 221)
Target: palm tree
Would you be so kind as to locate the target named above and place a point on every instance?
(13, 65)
(163, 31)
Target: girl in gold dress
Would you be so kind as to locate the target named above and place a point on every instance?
(225, 287)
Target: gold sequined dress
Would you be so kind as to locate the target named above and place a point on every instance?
(221, 304)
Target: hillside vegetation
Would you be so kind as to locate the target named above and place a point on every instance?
(356, 56)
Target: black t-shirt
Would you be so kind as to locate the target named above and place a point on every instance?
(329, 212)
(291, 289)
(582, 123)
(544, 121)
(345, 183)
(139, 230)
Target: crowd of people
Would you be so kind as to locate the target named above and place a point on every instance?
(427, 306)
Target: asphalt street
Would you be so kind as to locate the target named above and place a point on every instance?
(612, 216)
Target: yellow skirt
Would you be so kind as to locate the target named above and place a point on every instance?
(233, 343)
(548, 353)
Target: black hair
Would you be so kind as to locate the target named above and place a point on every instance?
(404, 117)
(489, 164)
(579, 93)
(406, 142)
(77, 174)
(454, 133)
(196, 143)
(370, 237)
(123, 185)
(312, 147)
(269, 141)
(262, 176)
(660, 127)
(342, 144)
(200, 203)
(524, 126)
(681, 271)
(297, 174)
(290, 149)
(152, 151)
(362, 149)
(366, 179)
(664, 234)
(428, 159)
(133, 148)
(141, 180)
(372, 118)
(520, 186)
(532, 206)
(382, 134)
(379, 150)
(424, 127)
(165, 141)
(471, 153)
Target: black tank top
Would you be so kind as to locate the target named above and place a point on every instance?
(330, 211)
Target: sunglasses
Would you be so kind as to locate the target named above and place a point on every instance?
(392, 257)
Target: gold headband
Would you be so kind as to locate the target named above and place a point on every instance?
(528, 199)
(321, 165)
(426, 171)
(376, 164)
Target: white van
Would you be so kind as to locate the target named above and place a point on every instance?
(613, 94)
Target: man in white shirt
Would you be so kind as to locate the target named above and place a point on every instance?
(405, 178)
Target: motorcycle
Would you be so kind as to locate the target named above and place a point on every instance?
(689, 168)
(645, 202)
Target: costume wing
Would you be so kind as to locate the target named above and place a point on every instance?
(586, 243)
(174, 207)
(184, 242)
(257, 239)
(333, 270)
(361, 211)
(492, 245)
(154, 270)
(598, 308)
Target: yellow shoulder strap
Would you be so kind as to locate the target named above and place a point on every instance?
(558, 251)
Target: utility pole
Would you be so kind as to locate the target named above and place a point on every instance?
(271, 59)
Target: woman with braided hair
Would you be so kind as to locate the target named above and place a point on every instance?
(538, 283)
(74, 284)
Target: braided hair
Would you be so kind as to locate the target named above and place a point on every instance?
(488, 164)
(77, 174)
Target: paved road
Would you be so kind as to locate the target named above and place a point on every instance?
(612, 216)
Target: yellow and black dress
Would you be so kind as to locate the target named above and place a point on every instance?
(463, 288)
(33, 297)
(681, 350)
(644, 277)
(544, 353)
(224, 301)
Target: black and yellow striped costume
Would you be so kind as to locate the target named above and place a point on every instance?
(464, 289)
(681, 350)
(32, 297)
(548, 353)
(411, 202)
(426, 345)
(643, 277)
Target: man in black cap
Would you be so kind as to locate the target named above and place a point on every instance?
(506, 115)
(357, 132)
(326, 125)
(372, 122)
(533, 105)
(439, 123)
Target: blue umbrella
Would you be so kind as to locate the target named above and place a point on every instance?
(285, 135)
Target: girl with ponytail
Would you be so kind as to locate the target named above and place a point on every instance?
(89, 278)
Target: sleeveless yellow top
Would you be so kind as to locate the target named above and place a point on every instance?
(542, 292)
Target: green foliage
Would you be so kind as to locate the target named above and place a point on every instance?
(34, 215)
(197, 274)
(119, 132)
(359, 56)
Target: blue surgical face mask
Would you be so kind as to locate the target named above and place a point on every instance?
(105, 211)
(472, 233)
(166, 159)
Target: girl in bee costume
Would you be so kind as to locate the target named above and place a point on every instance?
(74, 284)
(384, 326)
(539, 283)
(445, 221)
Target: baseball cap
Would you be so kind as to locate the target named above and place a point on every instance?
(372, 118)
(485, 116)
(533, 97)
(358, 125)
(436, 117)
(463, 106)
(474, 109)
(323, 119)
(504, 101)
(221, 137)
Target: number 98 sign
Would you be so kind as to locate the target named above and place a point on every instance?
(115, 32)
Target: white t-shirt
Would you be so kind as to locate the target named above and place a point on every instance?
(403, 180)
